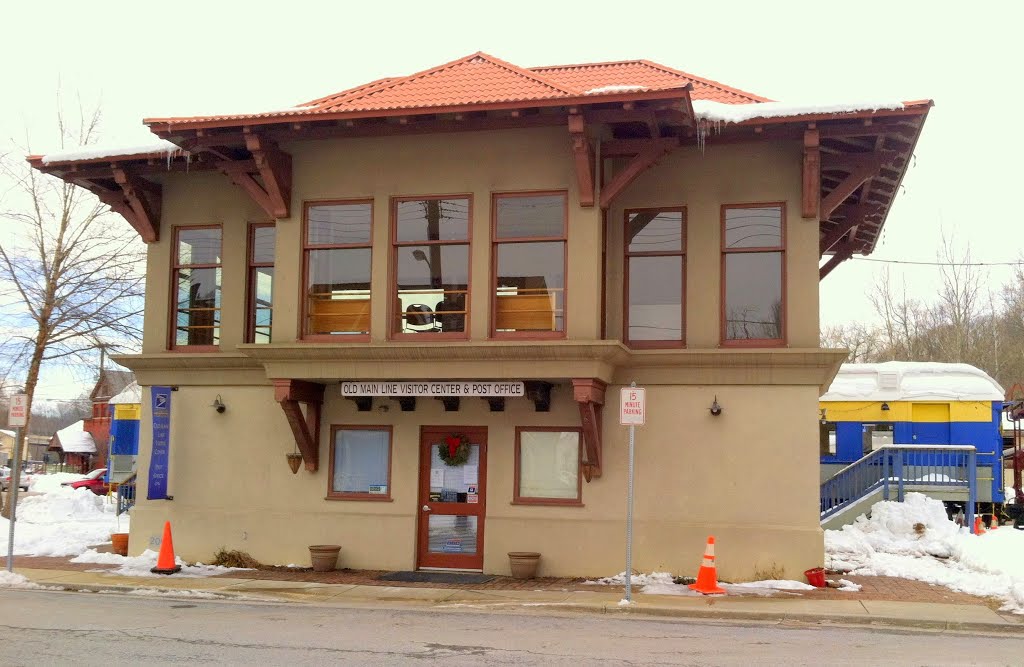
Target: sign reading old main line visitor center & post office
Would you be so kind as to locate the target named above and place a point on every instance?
(445, 388)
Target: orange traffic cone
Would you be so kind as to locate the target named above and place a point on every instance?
(979, 529)
(165, 563)
(707, 578)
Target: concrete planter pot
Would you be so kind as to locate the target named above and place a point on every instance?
(524, 564)
(119, 543)
(324, 557)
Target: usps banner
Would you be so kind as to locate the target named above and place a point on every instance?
(161, 443)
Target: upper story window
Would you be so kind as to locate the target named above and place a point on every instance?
(529, 264)
(430, 265)
(262, 239)
(655, 268)
(197, 280)
(337, 266)
(753, 273)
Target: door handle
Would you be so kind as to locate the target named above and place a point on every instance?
(426, 508)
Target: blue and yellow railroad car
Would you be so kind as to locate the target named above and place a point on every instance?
(913, 403)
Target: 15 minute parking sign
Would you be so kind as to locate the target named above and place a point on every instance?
(632, 407)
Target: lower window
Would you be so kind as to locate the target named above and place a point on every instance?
(360, 463)
(548, 466)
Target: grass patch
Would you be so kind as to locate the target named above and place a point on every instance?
(234, 558)
(770, 572)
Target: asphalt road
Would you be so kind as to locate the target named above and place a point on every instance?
(57, 628)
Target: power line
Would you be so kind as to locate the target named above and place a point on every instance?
(902, 261)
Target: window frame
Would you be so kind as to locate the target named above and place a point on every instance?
(304, 334)
(172, 328)
(250, 285)
(724, 341)
(353, 495)
(518, 499)
(395, 244)
(626, 254)
(495, 242)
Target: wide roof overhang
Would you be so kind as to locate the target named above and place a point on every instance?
(854, 161)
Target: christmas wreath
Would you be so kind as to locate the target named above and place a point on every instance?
(454, 450)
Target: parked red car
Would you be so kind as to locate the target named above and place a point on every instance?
(93, 481)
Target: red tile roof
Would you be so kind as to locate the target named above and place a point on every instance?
(479, 80)
(645, 73)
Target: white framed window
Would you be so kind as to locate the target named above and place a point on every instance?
(548, 466)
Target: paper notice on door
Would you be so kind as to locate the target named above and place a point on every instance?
(469, 474)
(436, 478)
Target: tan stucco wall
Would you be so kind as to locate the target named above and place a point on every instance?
(695, 475)
(749, 477)
(480, 164)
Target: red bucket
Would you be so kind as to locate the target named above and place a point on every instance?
(816, 577)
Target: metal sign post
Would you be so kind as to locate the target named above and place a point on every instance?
(17, 415)
(632, 412)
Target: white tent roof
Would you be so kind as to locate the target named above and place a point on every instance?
(129, 395)
(912, 381)
(75, 440)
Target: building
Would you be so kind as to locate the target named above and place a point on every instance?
(75, 448)
(430, 289)
(6, 446)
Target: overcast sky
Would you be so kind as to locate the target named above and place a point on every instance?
(146, 59)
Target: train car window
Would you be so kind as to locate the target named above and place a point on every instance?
(877, 435)
(827, 439)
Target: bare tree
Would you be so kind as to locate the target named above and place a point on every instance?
(861, 340)
(71, 280)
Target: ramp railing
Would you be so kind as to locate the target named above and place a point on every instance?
(896, 469)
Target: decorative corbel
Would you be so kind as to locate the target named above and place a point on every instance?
(305, 429)
(589, 396)
(583, 158)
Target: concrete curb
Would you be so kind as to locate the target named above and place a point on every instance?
(638, 609)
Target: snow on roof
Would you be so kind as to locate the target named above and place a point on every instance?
(98, 151)
(9, 434)
(912, 380)
(75, 439)
(737, 113)
(617, 88)
(129, 395)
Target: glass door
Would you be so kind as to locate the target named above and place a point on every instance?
(453, 464)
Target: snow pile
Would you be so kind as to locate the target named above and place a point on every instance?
(915, 540)
(775, 584)
(663, 583)
(140, 566)
(62, 522)
(51, 483)
(847, 585)
(717, 112)
(12, 580)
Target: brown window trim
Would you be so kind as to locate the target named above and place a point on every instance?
(781, 248)
(250, 295)
(348, 495)
(172, 328)
(559, 502)
(652, 344)
(306, 247)
(392, 296)
(495, 242)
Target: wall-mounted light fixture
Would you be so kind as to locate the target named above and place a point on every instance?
(885, 407)
(218, 405)
(823, 417)
(716, 408)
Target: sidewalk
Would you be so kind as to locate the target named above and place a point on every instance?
(946, 610)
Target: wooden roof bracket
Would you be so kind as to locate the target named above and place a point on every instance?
(651, 153)
(811, 174)
(862, 167)
(583, 159)
(589, 396)
(139, 202)
(306, 429)
(274, 168)
(843, 253)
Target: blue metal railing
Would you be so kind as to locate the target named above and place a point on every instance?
(898, 468)
(126, 495)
